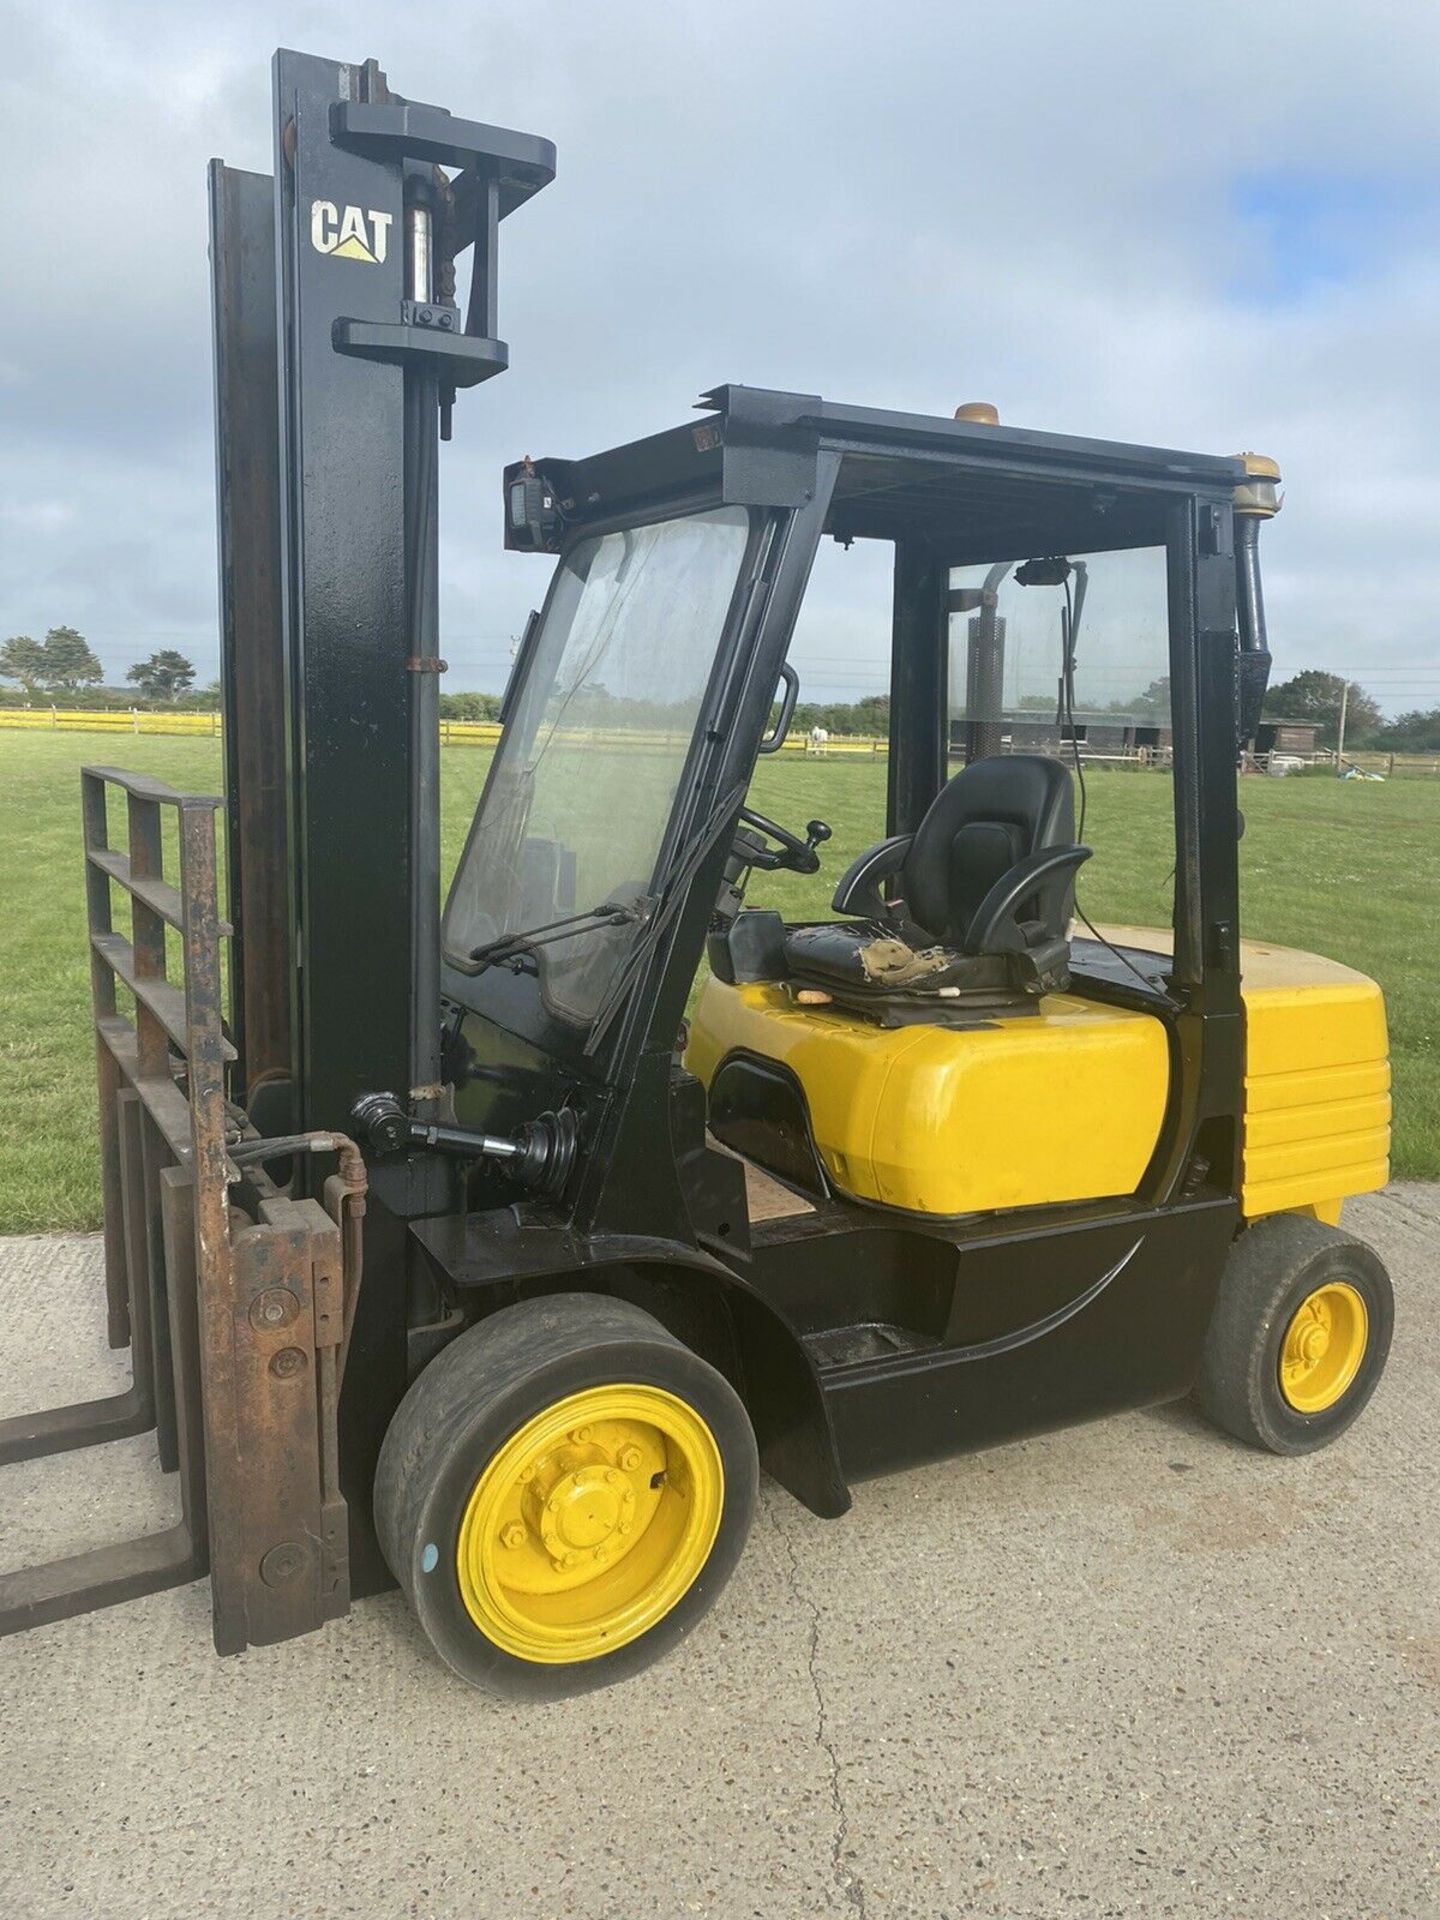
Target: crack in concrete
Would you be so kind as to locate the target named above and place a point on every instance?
(850, 1884)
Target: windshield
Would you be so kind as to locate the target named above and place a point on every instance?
(581, 792)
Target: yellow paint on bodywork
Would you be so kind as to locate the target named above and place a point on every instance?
(1062, 1104)
(1317, 1079)
(1317, 1089)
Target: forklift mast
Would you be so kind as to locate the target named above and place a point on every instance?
(339, 351)
(340, 348)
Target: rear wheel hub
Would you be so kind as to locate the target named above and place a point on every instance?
(1323, 1347)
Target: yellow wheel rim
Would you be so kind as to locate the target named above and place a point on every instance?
(590, 1524)
(1323, 1347)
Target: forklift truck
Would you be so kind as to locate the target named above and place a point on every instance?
(471, 1252)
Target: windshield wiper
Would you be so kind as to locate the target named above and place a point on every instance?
(510, 946)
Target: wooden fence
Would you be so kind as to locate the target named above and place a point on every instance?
(453, 733)
(108, 720)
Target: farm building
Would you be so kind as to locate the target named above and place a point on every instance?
(1105, 732)
(1287, 736)
(1108, 733)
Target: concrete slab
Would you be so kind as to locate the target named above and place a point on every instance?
(1129, 1670)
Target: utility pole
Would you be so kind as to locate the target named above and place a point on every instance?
(1340, 743)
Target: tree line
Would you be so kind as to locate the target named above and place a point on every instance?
(1309, 696)
(63, 667)
(1319, 697)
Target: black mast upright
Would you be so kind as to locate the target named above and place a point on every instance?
(340, 346)
(341, 255)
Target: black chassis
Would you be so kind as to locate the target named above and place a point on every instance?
(860, 1340)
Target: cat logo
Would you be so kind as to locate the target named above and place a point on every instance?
(350, 233)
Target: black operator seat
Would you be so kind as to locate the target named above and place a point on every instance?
(985, 889)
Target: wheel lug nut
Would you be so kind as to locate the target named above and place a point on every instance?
(514, 1534)
(580, 1435)
(630, 1458)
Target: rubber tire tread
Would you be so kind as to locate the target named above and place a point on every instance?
(1271, 1268)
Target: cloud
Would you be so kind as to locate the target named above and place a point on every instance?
(38, 516)
(1127, 220)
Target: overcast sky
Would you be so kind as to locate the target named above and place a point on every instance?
(1209, 227)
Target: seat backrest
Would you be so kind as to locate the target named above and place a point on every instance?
(993, 813)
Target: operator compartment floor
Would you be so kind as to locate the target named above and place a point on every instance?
(767, 1197)
(881, 1314)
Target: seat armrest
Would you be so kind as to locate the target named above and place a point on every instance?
(859, 891)
(1046, 877)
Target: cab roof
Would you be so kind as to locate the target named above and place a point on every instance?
(974, 491)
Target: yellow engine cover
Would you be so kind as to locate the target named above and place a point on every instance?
(1067, 1103)
(1317, 1083)
(1062, 1104)
(1317, 1078)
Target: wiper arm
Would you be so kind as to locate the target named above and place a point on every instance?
(510, 946)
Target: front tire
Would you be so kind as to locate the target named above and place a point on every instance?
(563, 1493)
(1299, 1336)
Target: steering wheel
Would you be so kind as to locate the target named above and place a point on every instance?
(792, 853)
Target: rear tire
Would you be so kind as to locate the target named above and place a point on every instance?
(562, 1494)
(1299, 1336)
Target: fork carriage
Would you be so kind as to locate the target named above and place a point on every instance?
(234, 1299)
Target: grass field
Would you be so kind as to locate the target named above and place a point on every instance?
(1347, 869)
